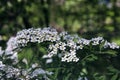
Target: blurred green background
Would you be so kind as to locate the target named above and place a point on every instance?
(87, 18)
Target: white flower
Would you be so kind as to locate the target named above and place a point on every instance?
(69, 57)
(82, 78)
(114, 45)
(49, 60)
(34, 65)
(25, 61)
(86, 42)
(97, 40)
(1, 65)
(95, 43)
(11, 44)
(24, 72)
(51, 54)
(12, 72)
(80, 47)
(62, 46)
(37, 72)
(70, 43)
(111, 45)
(63, 33)
(57, 45)
(14, 57)
(73, 52)
(51, 47)
(1, 51)
(45, 56)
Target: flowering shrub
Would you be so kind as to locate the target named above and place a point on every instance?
(66, 56)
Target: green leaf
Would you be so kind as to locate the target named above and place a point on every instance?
(91, 57)
(102, 78)
(114, 77)
(68, 76)
(111, 52)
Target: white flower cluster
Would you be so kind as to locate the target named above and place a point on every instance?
(36, 35)
(111, 45)
(97, 41)
(9, 72)
(61, 43)
(23, 37)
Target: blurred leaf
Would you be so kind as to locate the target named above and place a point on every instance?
(76, 26)
(114, 77)
(116, 40)
(68, 76)
(111, 52)
(110, 13)
(109, 28)
(91, 57)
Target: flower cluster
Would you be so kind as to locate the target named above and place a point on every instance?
(62, 44)
(111, 45)
(10, 72)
